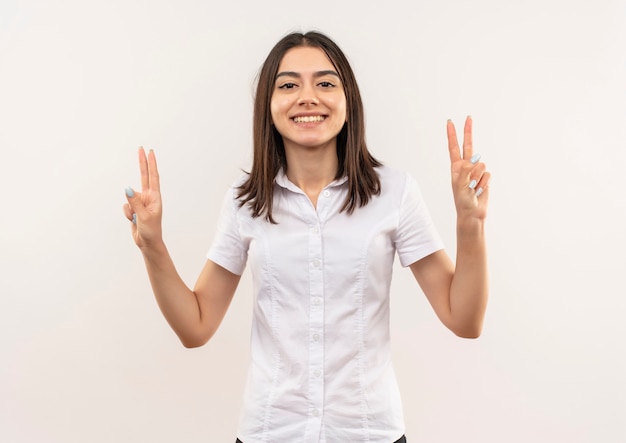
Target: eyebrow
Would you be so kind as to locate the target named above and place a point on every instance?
(315, 74)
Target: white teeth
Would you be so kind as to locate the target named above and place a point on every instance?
(309, 119)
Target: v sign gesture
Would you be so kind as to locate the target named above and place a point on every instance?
(470, 180)
(144, 208)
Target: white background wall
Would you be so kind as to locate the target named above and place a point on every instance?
(85, 355)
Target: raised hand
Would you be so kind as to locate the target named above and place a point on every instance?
(144, 208)
(470, 180)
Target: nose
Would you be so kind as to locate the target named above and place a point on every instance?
(307, 96)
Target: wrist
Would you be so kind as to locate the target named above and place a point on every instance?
(470, 225)
(153, 249)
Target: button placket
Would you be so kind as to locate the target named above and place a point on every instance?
(316, 328)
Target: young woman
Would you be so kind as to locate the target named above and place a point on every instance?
(318, 221)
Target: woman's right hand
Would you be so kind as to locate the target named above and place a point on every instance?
(144, 208)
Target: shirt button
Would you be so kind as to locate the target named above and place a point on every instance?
(326, 193)
(317, 373)
(316, 263)
(316, 337)
(316, 301)
(315, 230)
(316, 413)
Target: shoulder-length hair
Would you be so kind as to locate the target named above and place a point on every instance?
(354, 160)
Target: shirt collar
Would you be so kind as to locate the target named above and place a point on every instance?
(282, 181)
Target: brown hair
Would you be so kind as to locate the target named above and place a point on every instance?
(354, 159)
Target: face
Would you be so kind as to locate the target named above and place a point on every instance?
(308, 103)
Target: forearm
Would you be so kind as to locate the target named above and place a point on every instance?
(469, 288)
(177, 302)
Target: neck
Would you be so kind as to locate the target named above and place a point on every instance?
(311, 169)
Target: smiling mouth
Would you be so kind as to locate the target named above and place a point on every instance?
(309, 119)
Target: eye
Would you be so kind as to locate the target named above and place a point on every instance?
(287, 86)
(326, 84)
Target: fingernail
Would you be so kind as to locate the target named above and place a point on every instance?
(129, 192)
(475, 158)
(473, 184)
(479, 191)
(135, 218)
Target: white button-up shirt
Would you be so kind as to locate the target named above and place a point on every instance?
(320, 354)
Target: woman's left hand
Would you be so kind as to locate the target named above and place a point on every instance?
(470, 179)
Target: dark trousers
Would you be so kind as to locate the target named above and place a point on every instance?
(402, 440)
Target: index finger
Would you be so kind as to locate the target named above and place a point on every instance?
(453, 143)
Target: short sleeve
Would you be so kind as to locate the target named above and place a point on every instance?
(228, 250)
(416, 236)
